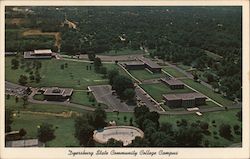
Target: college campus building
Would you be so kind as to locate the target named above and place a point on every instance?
(143, 63)
(57, 94)
(173, 83)
(184, 99)
(38, 54)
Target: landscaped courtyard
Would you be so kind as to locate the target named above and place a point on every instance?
(146, 75)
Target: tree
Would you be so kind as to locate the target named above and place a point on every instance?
(225, 131)
(99, 118)
(140, 111)
(129, 94)
(91, 56)
(25, 101)
(161, 139)
(167, 128)
(38, 78)
(111, 75)
(62, 66)
(8, 119)
(131, 121)
(239, 115)
(14, 63)
(114, 143)
(7, 96)
(84, 131)
(22, 132)
(97, 64)
(139, 142)
(45, 132)
(125, 119)
(121, 83)
(16, 99)
(23, 80)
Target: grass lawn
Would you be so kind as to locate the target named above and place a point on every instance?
(156, 90)
(38, 97)
(64, 128)
(208, 92)
(74, 76)
(11, 104)
(227, 117)
(145, 75)
(123, 52)
(120, 118)
(173, 72)
(81, 97)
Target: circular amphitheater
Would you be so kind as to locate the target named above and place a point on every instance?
(124, 134)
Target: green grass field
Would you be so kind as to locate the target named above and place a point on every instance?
(11, 104)
(75, 76)
(64, 128)
(208, 92)
(173, 72)
(156, 90)
(145, 75)
(81, 97)
(38, 97)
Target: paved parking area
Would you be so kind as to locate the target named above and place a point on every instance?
(103, 94)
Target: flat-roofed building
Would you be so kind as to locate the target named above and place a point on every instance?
(134, 65)
(57, 94)
(151, 65)
(184, 99)
(25, 143)
(38, 54)
(173, 83)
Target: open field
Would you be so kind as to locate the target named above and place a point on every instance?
(11, 104)
(81, 97)
(208, 92)
(145, 75)
(74, 76)
(156, 90)
(173, 72)
(64, 128)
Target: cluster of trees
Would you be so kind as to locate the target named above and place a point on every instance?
(85, 126)
(31, 67)
(123, 85)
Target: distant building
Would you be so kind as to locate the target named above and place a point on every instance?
(173, 83)
(25, 143)
(134, 65)
(143, 63)
(151, 65)
(57, 94)
(184, 99)
(38, 54)
(10, 53)
(13, 135)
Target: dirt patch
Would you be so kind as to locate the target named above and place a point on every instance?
(38, 32)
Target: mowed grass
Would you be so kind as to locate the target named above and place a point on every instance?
(11, 104)
(64, 128)
(226, 117)
(145, 75)
(81, 97)
(156, 90)
(74, 76)
(208, 92)
(174, 72)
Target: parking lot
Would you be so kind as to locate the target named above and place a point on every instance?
(103, 94)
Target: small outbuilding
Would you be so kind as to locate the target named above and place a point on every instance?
(57, 94)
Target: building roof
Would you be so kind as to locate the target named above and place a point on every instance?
(58, 91)
(24, 143)
(133, 63)
(150, 63)
(172, 81)
(183, 96)
(31, 55)
(44, 51)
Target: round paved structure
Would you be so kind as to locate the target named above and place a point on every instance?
(120, 133)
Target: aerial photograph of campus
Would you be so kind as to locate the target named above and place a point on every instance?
(123, 76)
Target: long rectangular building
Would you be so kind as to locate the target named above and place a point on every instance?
(173, 83)
(151, 65)
(184, 99)
(38, 54)
(57, 94)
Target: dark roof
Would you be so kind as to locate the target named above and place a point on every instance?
(172, 81)
(183, 96)
(58, 91)
(150, 63)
